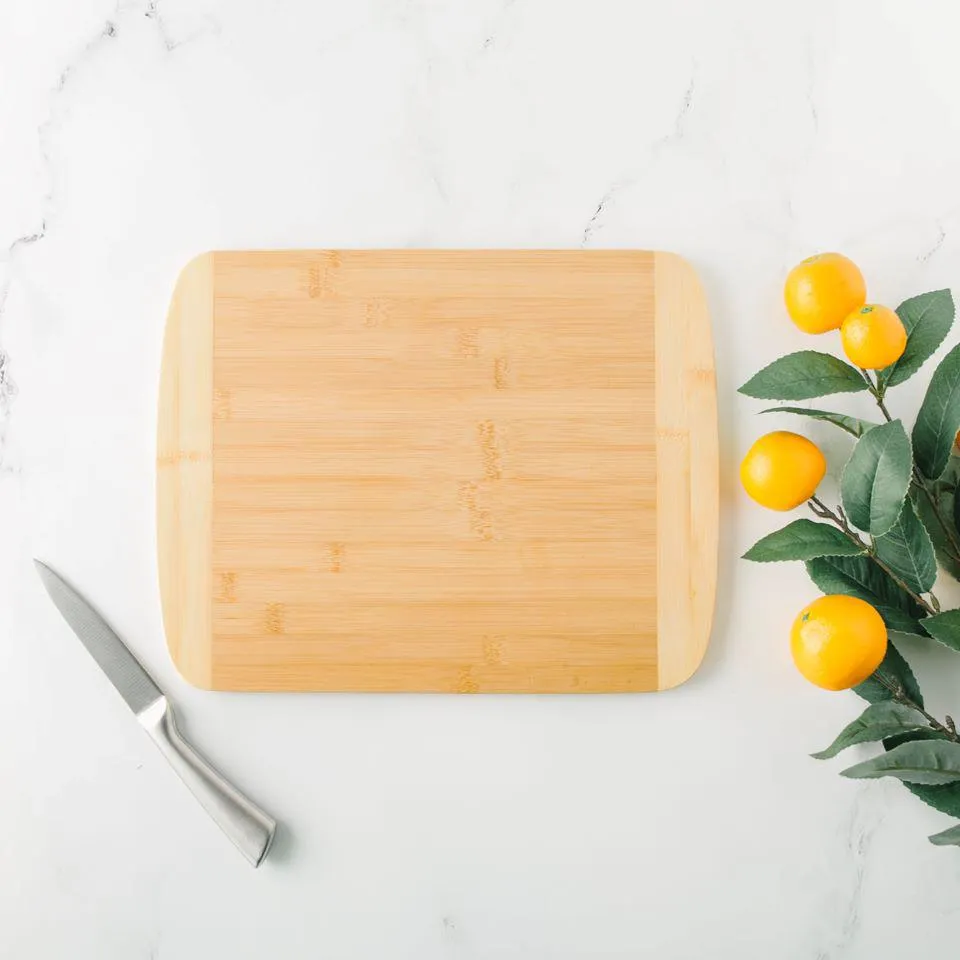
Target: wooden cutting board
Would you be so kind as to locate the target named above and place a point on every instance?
(437, 470)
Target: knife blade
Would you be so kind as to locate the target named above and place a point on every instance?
(250, 829)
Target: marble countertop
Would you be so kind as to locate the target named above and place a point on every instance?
(743, 135)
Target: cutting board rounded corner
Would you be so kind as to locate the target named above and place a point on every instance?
(688, 470)
(185, 471)
(191, 672)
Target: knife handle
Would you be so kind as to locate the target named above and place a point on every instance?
(250, 829)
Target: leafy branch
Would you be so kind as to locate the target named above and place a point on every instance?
(869, 548)
(897, 690)
(949, 532)
(918, 481)
(899, 514)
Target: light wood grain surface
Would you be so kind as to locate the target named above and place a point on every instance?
(185, 471)
(687, 470)
(438, 470)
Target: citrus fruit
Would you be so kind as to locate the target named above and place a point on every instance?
(822, 290)
(838, 641)
(782, 469)
(873, 337)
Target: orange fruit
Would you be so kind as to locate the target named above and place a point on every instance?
(873, 337)
(782, 469)
(822, 290)
(838, 641)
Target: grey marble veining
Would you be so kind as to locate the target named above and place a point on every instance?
(743, 135)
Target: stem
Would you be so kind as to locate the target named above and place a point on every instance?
(929, 607)
(822, 510)
(877, 394)
(900, 695)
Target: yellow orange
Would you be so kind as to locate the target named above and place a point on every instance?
(782, 469)
(838, 641)
(822, 290)
(873, 337)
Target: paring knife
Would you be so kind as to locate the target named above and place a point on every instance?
(240, 819)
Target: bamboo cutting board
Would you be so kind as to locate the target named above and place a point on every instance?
(459, 471)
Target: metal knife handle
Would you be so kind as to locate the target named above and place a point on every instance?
(240, 819)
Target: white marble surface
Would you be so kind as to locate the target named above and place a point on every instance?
(744, 135)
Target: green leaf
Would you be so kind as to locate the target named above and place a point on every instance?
(802, 375)
(908, 551)
(900, 622)
(946, 799)
(861, 577)
(803, 540)
(879, 720)
(939, 417)
(945, 627)
(941, 542)
(853, 425)
(951, 476)
(927, 320)
(931, 762)
(947, 838)
(953, 514)
(926, 733)
(876, 478)
(894, 667)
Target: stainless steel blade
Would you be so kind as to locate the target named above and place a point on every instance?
(113, 656)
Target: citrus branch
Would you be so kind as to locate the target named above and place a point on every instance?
(948, 729)
(877, 393)
(918, 481)
(821, 510)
